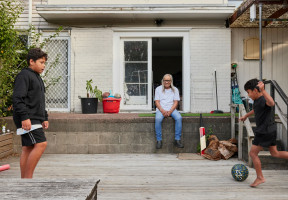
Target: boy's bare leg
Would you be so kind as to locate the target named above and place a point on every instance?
(278, 154)
(257, 165)
(33, 159)
(26, 150)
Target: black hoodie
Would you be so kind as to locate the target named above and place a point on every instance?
(29, 98)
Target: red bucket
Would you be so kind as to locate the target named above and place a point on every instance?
(111, 105)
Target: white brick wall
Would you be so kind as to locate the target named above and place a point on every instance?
(210, 50)
(91, 58)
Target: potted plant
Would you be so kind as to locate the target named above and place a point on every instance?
(90, 104)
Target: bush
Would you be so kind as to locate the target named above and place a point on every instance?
(13, 51)
(10, 52)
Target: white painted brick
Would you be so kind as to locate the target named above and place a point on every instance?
(210, 50)
(94, 56)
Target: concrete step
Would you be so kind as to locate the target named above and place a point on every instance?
(271, 163)
(268, 162)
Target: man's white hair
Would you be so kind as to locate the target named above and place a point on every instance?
(172, 86)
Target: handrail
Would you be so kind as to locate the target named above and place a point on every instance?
(275, 86)
(279, 90)
(281, 115)
(248, 126)
(250, 133)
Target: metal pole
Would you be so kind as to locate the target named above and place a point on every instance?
(260, 41)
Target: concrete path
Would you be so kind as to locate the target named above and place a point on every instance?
(137, 177)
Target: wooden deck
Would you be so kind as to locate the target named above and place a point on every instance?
(137, 177)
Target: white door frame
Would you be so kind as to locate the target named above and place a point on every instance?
(148, 106)
(126, 33)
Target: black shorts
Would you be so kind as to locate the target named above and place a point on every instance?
(265, 140)
(33, 137)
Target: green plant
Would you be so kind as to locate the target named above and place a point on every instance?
(13, 51)
(10, 46)
(93, 92)
(47, 79)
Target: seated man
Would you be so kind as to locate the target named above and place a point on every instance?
(166, 101)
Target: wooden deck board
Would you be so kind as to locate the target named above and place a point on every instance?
(136, 176)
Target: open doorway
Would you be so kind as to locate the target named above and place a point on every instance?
(167, 59)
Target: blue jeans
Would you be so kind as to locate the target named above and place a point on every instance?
(158, 124)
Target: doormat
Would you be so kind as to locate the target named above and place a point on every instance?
(190, 156)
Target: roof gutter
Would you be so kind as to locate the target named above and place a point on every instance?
(133, 5)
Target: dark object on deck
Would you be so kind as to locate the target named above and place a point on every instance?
(93, 193)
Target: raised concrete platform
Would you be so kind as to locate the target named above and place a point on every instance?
(121, 133)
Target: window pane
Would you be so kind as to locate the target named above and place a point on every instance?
(135, 50)
(136, 94)
(136, 73)
(136, 89)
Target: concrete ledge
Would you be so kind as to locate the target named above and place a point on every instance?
(122, 133)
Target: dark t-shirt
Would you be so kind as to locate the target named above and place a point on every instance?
(262, 116)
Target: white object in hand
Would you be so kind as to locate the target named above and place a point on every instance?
(21, 131)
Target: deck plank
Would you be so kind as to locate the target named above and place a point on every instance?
(137, 176)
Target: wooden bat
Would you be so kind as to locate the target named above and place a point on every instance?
(202, 136)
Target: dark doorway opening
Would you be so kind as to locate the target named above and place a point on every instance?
(167, 59)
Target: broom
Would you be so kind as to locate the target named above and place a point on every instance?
(216, 111)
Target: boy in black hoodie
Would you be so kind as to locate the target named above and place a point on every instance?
(29, 114)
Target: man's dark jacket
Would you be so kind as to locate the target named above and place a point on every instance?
(29, 98)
